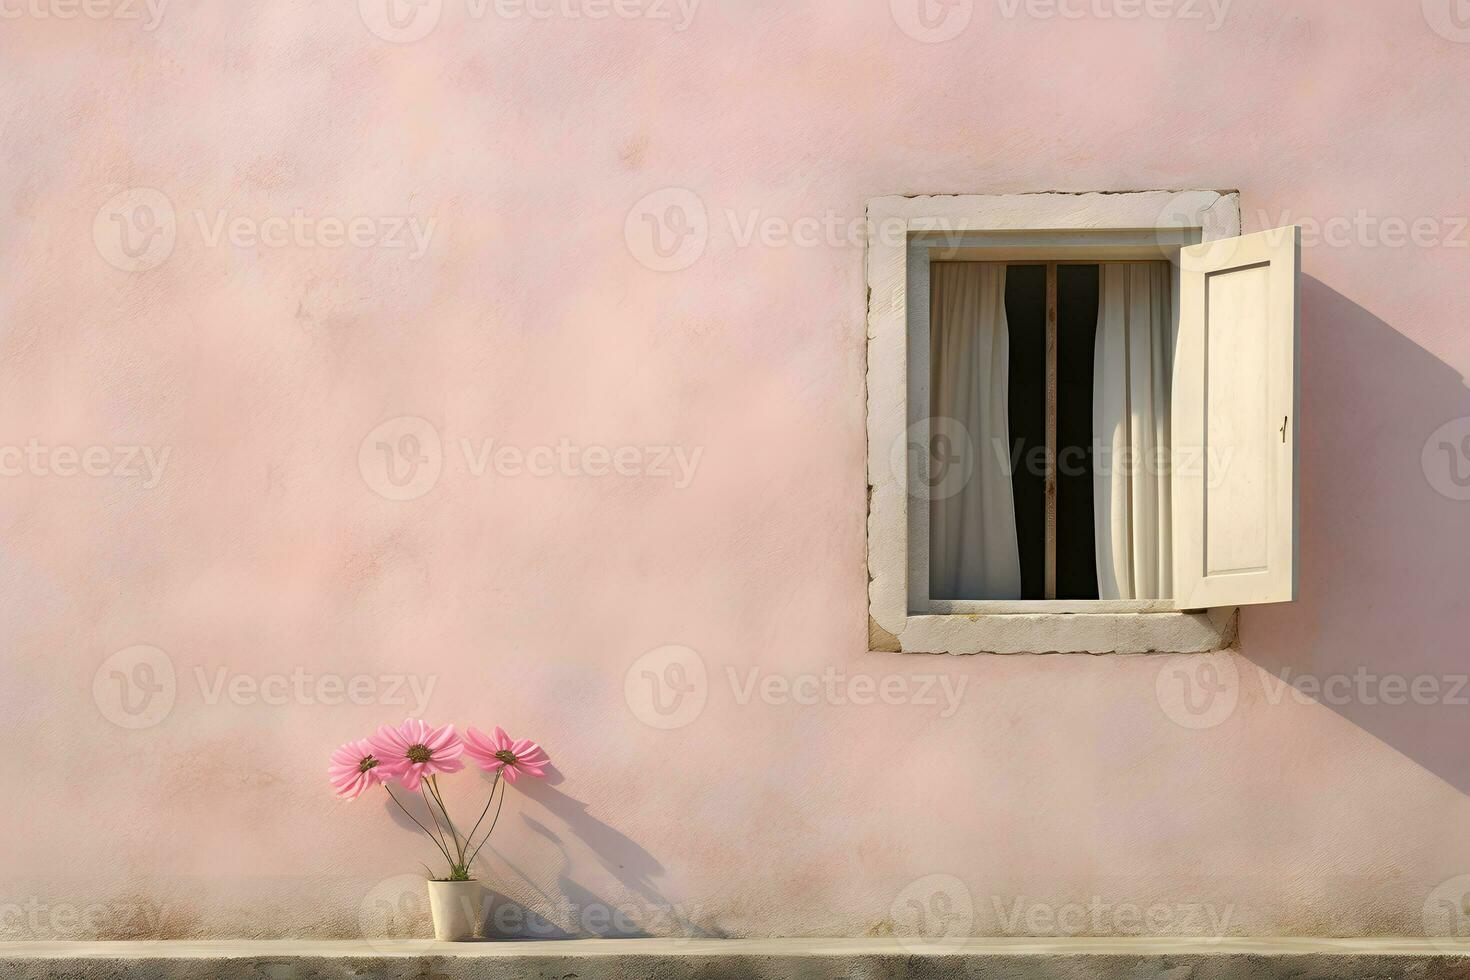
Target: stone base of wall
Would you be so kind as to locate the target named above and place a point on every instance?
(758, 959)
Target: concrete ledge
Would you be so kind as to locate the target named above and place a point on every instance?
(762, 959)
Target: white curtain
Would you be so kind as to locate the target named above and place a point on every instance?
(972, 514)
(1130, 418)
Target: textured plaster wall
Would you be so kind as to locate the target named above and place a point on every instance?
(265, 552)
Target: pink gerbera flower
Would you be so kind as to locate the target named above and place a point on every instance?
(354, 769)
(497, 752)
(414, 750)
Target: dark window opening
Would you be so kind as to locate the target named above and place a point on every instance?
(1077, 296)
(1077, 299)
(1026, 402)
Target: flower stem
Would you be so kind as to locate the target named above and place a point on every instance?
(434, 788)
(416, 821)
(488, 800)
(432, 816)
(493, 822)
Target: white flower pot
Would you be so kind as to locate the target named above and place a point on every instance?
(458, 908)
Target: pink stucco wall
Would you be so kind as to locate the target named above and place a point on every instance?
(264, 551)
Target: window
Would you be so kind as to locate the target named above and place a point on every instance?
(1049, 400)
(1080, 422)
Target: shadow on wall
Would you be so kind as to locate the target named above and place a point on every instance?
(1385, 546)
(574, 911)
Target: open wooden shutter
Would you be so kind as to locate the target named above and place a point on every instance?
(1234, 421)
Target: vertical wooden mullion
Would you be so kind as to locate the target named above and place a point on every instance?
(1051, 430)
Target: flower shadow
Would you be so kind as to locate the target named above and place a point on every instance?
(643, 912)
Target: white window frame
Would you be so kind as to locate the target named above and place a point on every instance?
(909, 233)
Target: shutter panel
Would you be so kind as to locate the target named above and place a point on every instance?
(1234, 421)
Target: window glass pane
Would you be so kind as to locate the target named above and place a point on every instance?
(1026, 319)
(1076, 326)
